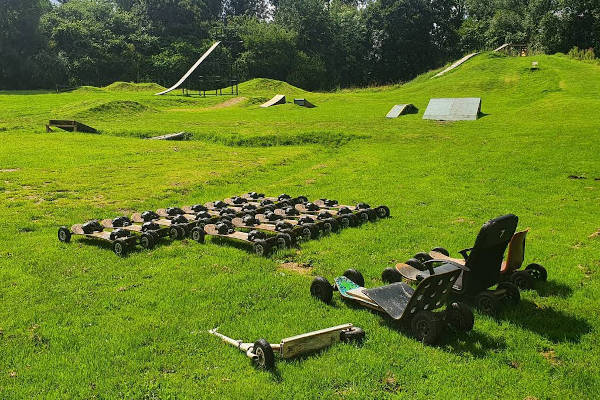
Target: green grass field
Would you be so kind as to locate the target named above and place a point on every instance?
(78, 322)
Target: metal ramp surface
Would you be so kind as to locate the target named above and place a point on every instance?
(401, 109)
(457, 109)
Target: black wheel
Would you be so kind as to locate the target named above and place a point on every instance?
(174, 233)
(198, 234)
(372, 215)
(383, 211)
(321, 289)
(422, 257)
(487, 303)
(261, 248)
(306, 234)
(315, 231)
(301, 200)
(344, 222)
(327, 228)
(522, 279)
(335, 226)
(283, 241)
(426, 327)
(353, 334)
(265, 358)
(119, 248)
(182, 232)
(363, 217)
(441, 250)
(355, 276)
(512, 295)
(460, 317)
(391, 275)
(537, 272)
(147, 241)
(413, 262)
(64, 234)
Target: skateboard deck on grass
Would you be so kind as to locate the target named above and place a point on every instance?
(393, 298)
(312, 341)
(238, 222)
(78, 230)
(211, 229)
(345, 286)
(107, 223)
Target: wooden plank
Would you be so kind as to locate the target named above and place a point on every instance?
(170, 136)
(312, 341)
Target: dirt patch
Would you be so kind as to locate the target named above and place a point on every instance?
(10, 169)
(228, 103)
(302, 269)
(550, 356)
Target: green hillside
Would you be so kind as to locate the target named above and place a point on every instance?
(78, 322)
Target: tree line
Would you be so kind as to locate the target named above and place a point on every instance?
(314, 44)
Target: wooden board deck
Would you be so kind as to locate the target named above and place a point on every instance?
(311, 341)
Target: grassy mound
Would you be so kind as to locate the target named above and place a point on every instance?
(114, 108)
(134, 87)
(269, 87)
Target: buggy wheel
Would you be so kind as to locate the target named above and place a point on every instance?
(487, 303)
(265, 358)
(537, 272)
(355, 276)
(441, 250)
(391, 275)
(119, 248)
(382, 211)
(522, 279)
(198, 234)
(321, 289)
(426, 327)
(64, 234)
(413, 262)
(460, 317)
(147, 241)
(174, 233)
(511, 295)
(353, 334)
(422, 257)
(261, 248)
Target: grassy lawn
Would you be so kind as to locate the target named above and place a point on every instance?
(78, 322)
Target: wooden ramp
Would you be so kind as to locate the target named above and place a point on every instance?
(170, 136)
(456, 64)
(69, 126)
(461, 109)
(401, 109)
(304, 103)
(191, 70)
(278, 99)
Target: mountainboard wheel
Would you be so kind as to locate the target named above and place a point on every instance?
(198, 234)
(522, 279)
(423, 257)
(64, 234)
(512, 295)
(391, 275)
(282, 241)
(363, 217)
(382, 211)
(487, 303)
(441, 250)
(119, 248)
(353, 334)
(413, 262)
(327, 228)
(355, 276)
(321, 289)
(344, 222)
(537, 272)
(306, 234)
(174, 233)
(425, 327)
(261, 248)
(182, 232)
(460, 317)
(265, 358)
(147, 241)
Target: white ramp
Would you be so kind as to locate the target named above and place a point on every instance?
(278, 99)
(401, 109)
(187, 74)
(465, 109)
(456, 64)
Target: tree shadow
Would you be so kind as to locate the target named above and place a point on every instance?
(554, 325)
(553, 288)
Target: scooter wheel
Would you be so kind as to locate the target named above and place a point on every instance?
(265, 358)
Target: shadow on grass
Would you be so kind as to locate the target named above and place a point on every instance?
(552, 324)
(476, 343)
(553, 288)
(105, 245)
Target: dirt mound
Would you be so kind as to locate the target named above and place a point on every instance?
(116, 107)
(134, 87)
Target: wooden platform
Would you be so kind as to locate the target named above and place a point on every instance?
(69, 126)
